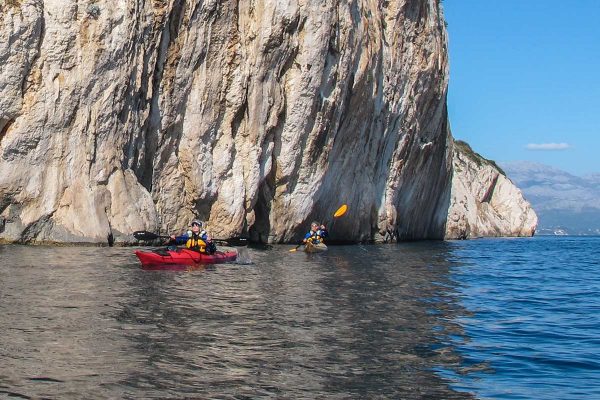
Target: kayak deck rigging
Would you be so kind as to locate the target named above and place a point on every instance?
(183, 257)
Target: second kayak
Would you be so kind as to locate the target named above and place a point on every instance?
(184, 257)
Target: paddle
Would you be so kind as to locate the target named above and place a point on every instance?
(234, 241)
(147, 236)
(338, 213)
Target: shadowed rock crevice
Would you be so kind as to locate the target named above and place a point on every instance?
(35, 229)
(152, 130)
(4, 127)
(487, 197)
(29, 80)
(260, 229)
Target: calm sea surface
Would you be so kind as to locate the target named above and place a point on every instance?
(497, 318)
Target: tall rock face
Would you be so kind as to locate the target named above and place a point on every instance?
(257, 116)
(484, 202)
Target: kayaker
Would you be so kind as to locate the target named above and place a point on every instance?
(316, 234)
(197, 239)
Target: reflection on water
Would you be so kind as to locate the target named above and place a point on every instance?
(355, 322)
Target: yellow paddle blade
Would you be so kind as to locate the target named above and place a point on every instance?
(296, 248)
(341, 211)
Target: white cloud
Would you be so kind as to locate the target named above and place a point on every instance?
(548, 146)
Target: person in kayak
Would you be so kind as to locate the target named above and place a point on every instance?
(316, 234)
(197, 239)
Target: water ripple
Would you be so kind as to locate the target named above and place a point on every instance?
(435, 320)
(534, 319)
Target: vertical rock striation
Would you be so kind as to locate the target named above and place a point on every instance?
(256, 116)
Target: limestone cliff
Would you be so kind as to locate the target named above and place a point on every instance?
(255, 115)
(484, 202)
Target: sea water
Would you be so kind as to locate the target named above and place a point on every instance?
(489, 318)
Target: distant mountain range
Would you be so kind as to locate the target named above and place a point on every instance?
(566, 204)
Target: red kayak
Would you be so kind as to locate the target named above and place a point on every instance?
(184, 257)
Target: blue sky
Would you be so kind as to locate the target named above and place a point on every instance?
(527, 72)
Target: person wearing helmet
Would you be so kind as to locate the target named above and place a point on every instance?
(196, 239)
(316, 234)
